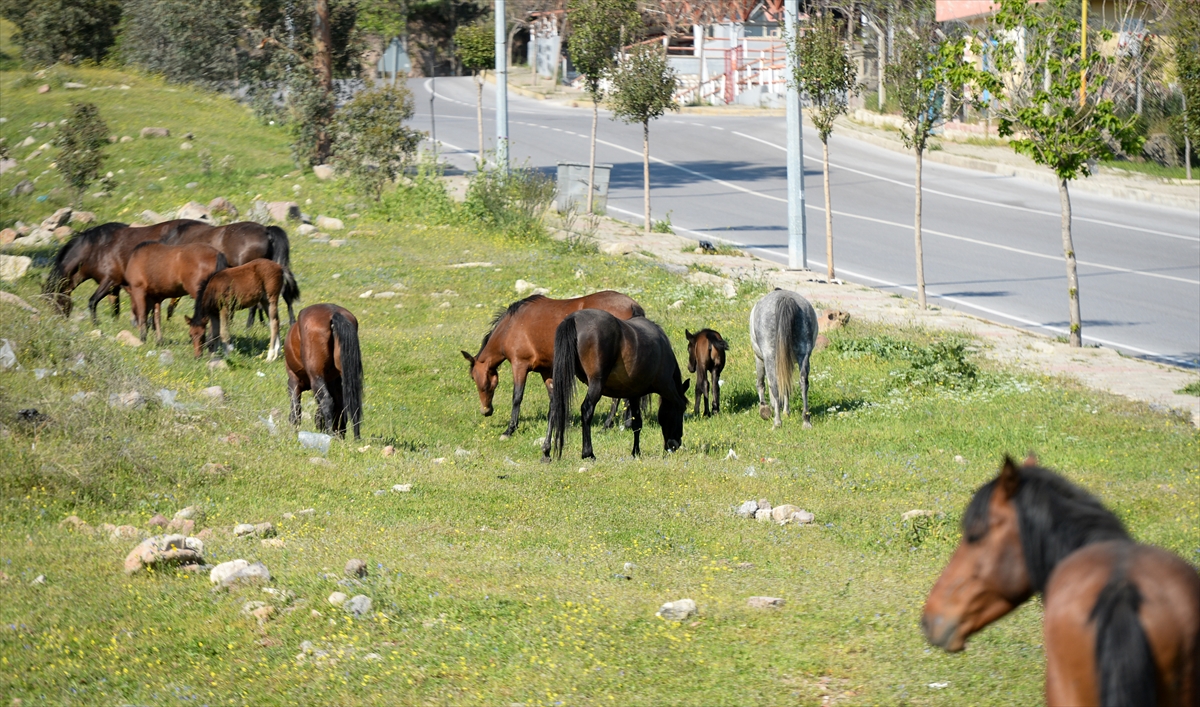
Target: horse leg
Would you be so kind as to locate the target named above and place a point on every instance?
(115, 300)
(701, 380)
(760, 374)
(250, 317)
(137, 306)
(773, 389)
(520, 374)
(585, 414)
(291, 315)
(94, 301)
(294, 392)
(273, 317)
(716, 390)
(612, 414)
(226, 336)
(171, 306)
(804, 389)
(158, 322)
(323, 415)
(635, 424)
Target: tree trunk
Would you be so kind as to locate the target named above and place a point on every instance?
(1072, 275)
(828, 218)
(323, 66)
(917, 236)
(646, 174)
(534, 56)
(882, 49)
(479, 110)
(592, 159)
(703, 66)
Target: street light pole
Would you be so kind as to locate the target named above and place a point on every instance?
(797, 225)
(501, 89)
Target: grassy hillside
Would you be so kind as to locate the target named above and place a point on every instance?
(497, 580)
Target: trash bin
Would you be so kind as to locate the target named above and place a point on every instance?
(573, 187)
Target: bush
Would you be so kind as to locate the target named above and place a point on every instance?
(80, 141)
(513, 202)
(50, 31)
(184, 40)
(371, 143)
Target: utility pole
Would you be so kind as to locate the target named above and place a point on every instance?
(501, 89)
(797, 225)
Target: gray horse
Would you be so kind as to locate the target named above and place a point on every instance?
(783, 332)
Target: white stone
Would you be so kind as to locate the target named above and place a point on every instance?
(223, 571)
(618, 248)
(764, 602)
(328, 223)
(323, 171)
(747, 509)
(14, 267)
(402, 488)
(677, 610)
(337, 598)
(916, 513)
(305, 229)
(196, 211)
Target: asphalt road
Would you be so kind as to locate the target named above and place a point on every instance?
(992, 243)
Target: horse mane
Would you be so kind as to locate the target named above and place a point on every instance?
(1055, 518)
(508, 311)
(96, 236)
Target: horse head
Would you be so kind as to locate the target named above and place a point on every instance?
(486, 379)
(691, 339)
(670, 417)
(987, 576)
(197, 327)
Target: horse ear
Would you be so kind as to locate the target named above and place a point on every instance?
(187, 319)
(1010, 478)
(688, 334)
(469, 357)
(1030, 460)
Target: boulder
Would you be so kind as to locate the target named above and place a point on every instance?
(225, 570)
(10, 298)
(44, 88)
(359, 605)
(37, 237)
(677, 610)
(123, 532)
(323, 171)
(831, 319)
(214, 393)
(306, 229)
(328, 223)
(196, 211)
(337, 598)
(618, 248)
(764, 602)
(917, 513)
(182, 526)
(356, 569)
(155, 132)
(62, 233)
(127, 338)
(58, 218)
(158, 521)
(151, 217)
(762, 514)
(283, 211)
(190, 513)
(186, 146)
(163, 551)
(221, 205)
(126, 138)
(262, 530)
(524, 287)
(14, 267)
(73, 85)
(747, 509)
(73, 523)
(250, 574)
(7, 236)
(23, 188)
(84, 217)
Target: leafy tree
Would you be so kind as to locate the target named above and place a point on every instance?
(600, 27)
(80, 141)
(193, 41)
(63, 30)
(926, 81)
(476, 48)
(643, 89)
(824, 71)
(1185, 34)
(371, 143)
(1039, 102)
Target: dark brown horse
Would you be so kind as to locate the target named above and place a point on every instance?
(100, 254)
(706, 354)
(1122, 620)
(623, 359)
(242, 242)
(322, 355)
(524, 334)
(156, 272)
(258, 283)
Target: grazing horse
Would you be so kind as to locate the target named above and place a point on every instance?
(156, 272)
(706, 354)
(619, 358)
(258, 283)
(322, 355)
(783, 332)
(242, 242)
(1121, 624)
(100, 254)
(524, 334)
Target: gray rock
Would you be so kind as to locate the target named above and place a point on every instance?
(190, 513)
(221, 205)
(356, 569)
(58, 218)
(196, 211)
(677, 610)
(764, 602)
(129, 401)
(166, 358)
(243, 529)
(323, 171)
(225, 570)
(747, 509)
(283, 211)
(214, 393)
(218, 365)
(23, 188)
(14, 267)
(306, 229)
(803, 517)
(249, 607)
(250, 574)
(764, 503)
(762, 514)
(359, 605)
(163, 551)
(155, 132)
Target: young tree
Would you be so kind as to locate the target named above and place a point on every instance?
(63, 30)
(371, 143)
(322, 37)
(1037, 84)
(79, 142)
(1185, 36)
(643, 89)
(600, 26)
(476, 49)
(928, 75)
(824, 72)
(194, 41)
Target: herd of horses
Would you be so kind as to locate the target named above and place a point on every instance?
(1121, 619)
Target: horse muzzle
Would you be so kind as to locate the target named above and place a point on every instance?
(943, 632)
(487, 411)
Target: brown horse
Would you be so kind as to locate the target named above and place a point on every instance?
(156, 272)
(623, 359)
(706, 354)
(258, 283)
(101, 254)
(242, 242)
(1122, 620)
(323, 356)
(524, 334)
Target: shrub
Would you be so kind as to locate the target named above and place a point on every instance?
(184, 40)
(513, 202)
(371, 143)
(50, 31)
(80, 141)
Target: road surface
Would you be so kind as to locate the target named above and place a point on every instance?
(992, 243)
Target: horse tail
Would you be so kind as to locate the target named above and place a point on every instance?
(290, 291)
(352, 370)
(637, 310)
(785, 353)
(59, 281)
(718, 343)
(278, 246)
(1124, 661)
(566, 353)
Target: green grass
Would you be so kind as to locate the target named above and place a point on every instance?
(498, 579)
(1192, 388)
(1150, 168)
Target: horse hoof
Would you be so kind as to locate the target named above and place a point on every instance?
(546, 460)
(776, 425)
(505, 437)
(807, 425)
(764, 412)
